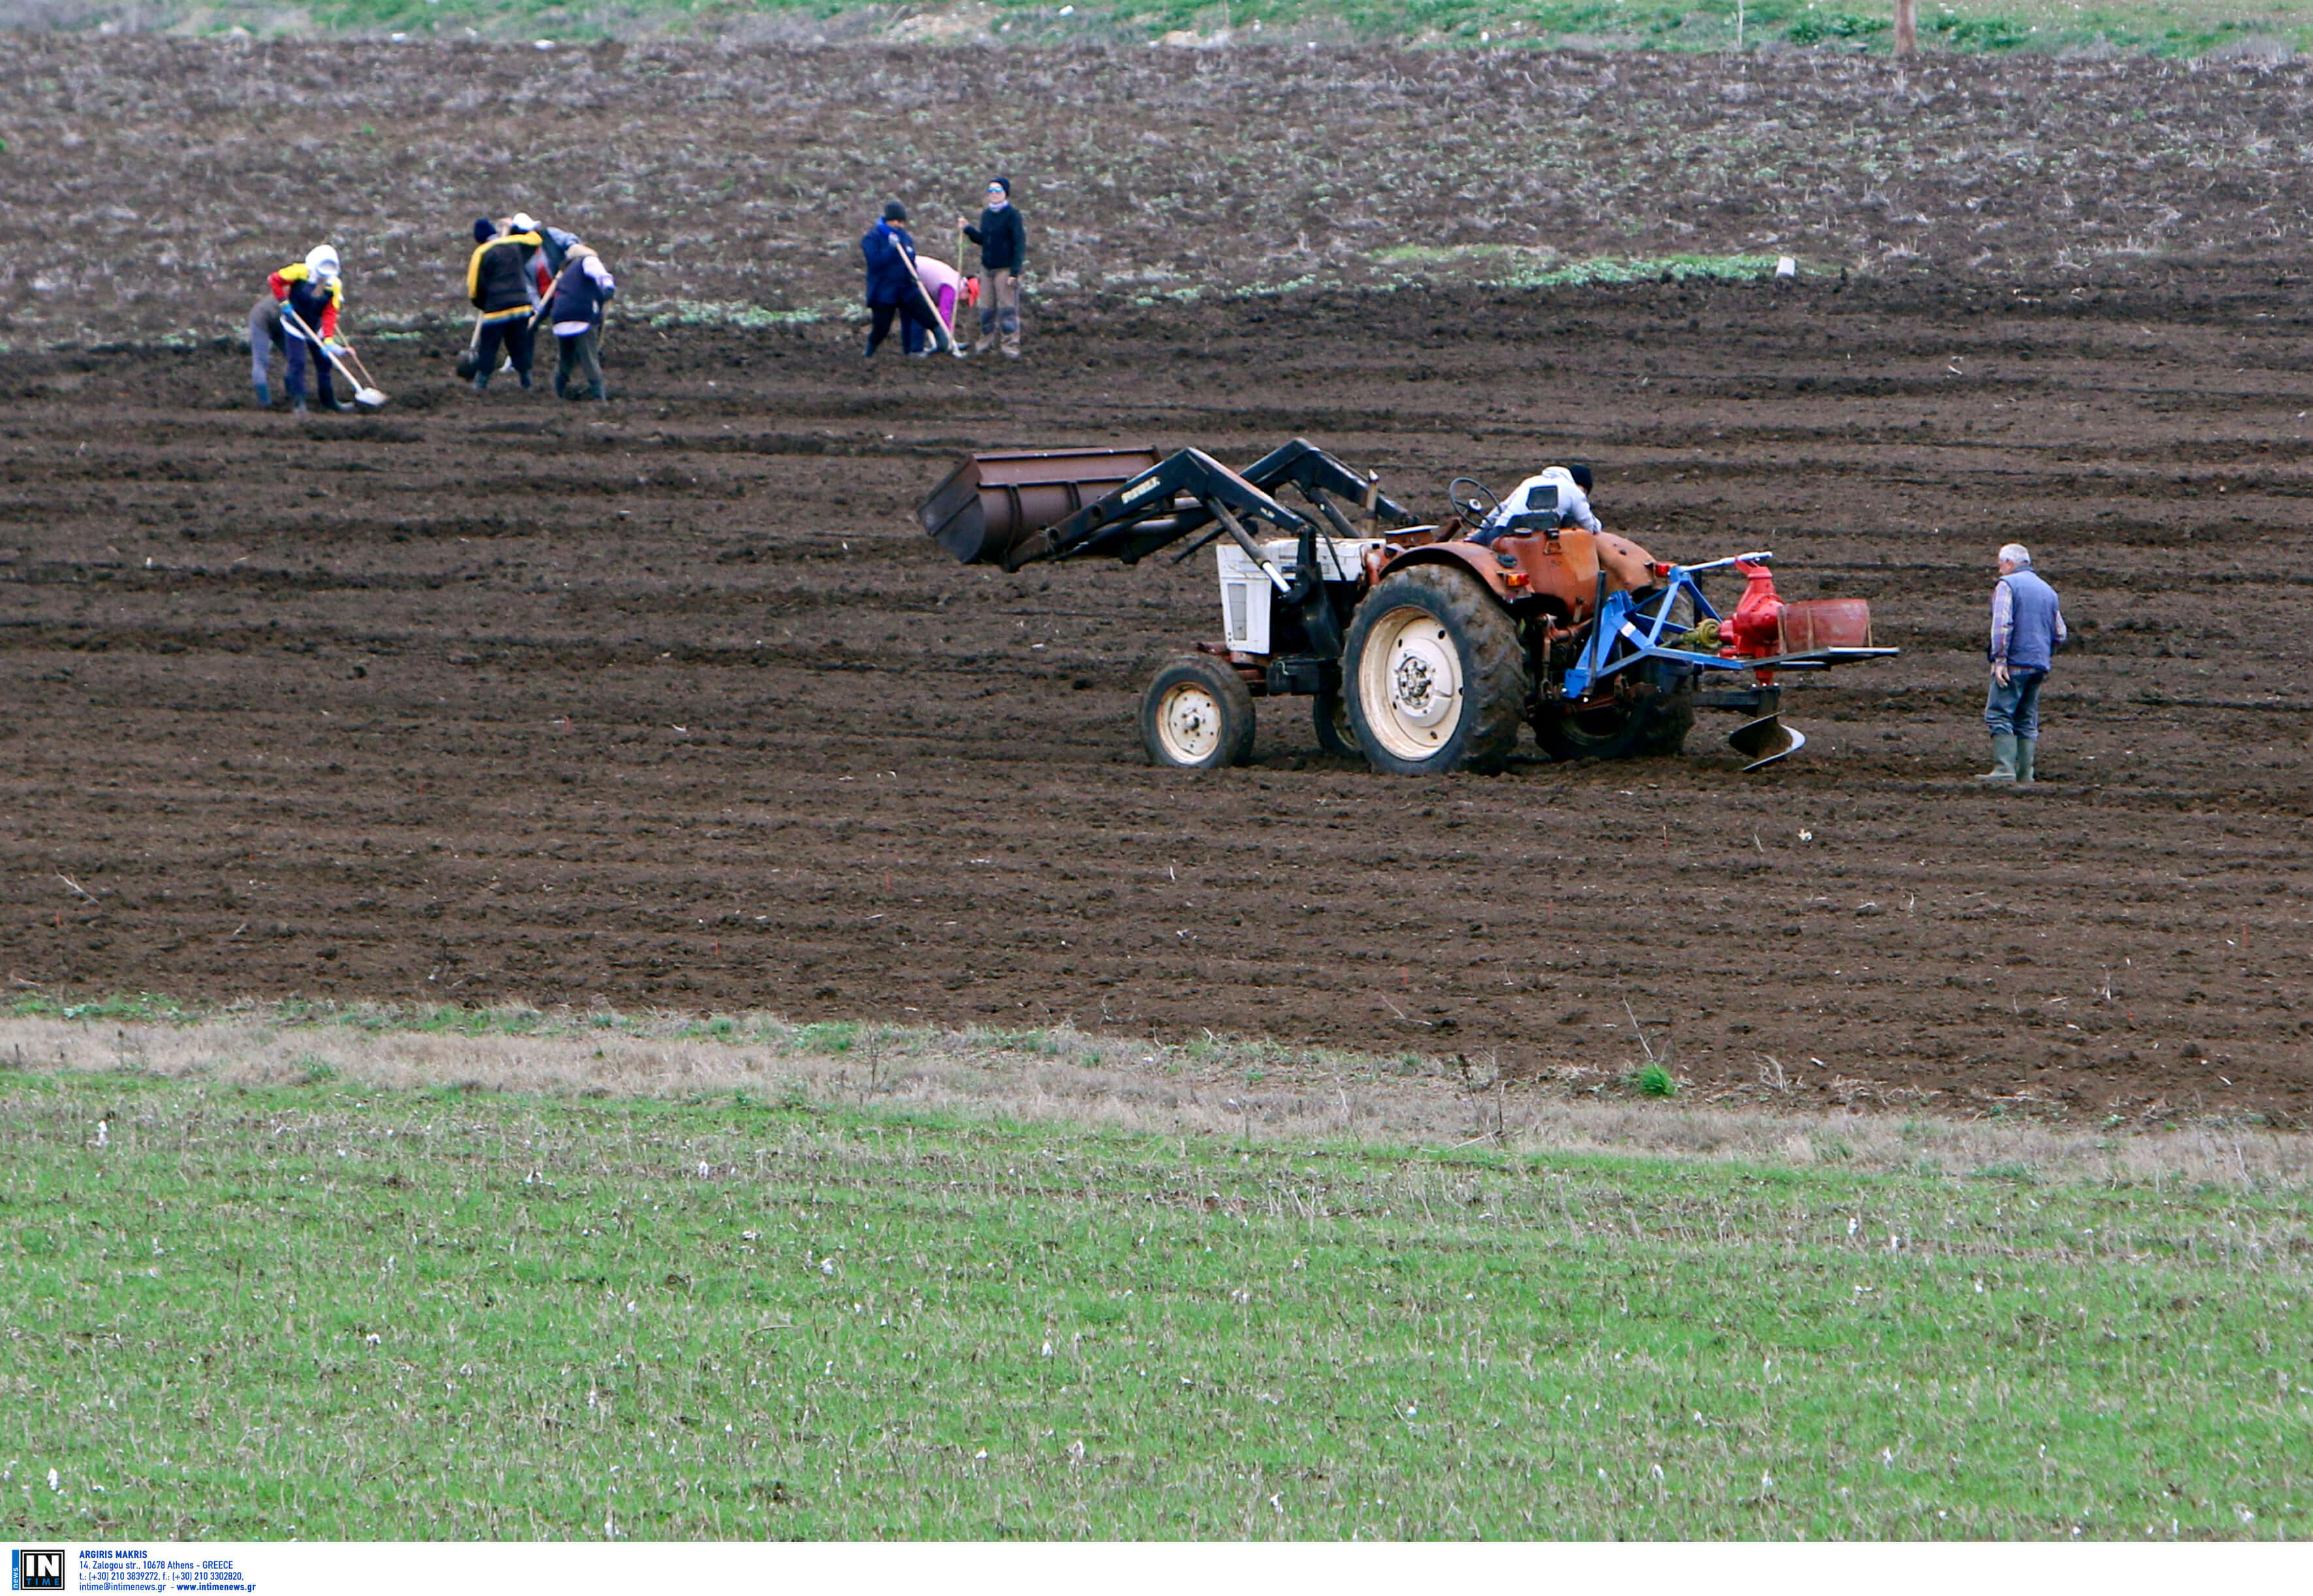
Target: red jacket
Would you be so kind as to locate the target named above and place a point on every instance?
(288, 277)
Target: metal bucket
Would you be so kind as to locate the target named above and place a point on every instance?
(992, 502)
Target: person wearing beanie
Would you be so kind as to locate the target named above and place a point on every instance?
(892, 289)
(499, 282)
(1003, 241)
(2028, 630)
(314, 290)
(1568, 492)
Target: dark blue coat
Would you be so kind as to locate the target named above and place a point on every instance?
(888, 280)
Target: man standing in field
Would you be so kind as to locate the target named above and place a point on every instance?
(2027, 628)
(1003, 241)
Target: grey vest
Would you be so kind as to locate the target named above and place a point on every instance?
(2032, 638)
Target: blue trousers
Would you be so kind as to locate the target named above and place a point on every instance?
(267, 333)
(2014, 710)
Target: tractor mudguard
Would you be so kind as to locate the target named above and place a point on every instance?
(1479, 562)
(1564, 568)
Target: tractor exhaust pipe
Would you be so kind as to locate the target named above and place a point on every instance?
(1764, 740)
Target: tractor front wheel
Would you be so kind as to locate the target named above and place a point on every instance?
(1434, 674)
(1197, 715)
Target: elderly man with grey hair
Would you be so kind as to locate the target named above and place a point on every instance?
(2027, 628)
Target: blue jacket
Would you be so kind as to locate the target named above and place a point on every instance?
(577, 296)
(888, 282)
(2028, 629)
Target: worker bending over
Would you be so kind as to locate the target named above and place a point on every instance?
(499, 282)
(946, 286)
(1572, 494)
(314, 291)
(575, 308)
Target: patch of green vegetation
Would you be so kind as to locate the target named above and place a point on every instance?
(2167, 27)
(684, 312)
(1652, 1080)
(1513, 265)
(318, 1311)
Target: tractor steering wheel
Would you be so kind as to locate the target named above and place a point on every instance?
(1470, 508)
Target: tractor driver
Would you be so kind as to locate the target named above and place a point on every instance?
(1573, 486)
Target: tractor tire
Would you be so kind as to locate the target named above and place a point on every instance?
(1657, 726)
(1197, 715)
(1335, 735)
(1434, 674)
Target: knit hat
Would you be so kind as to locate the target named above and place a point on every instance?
(1581, 475)
(1003, 183)
(893, 211)
(485, 230)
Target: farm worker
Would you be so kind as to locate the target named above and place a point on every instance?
(1573, 496)
(499, 284)
(1003, 241)
(315, 290)
(575, 307)
(2027, 628)
(888, 251)
(553, 243)
(946, 285)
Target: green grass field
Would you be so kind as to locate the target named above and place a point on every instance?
(332, 1309)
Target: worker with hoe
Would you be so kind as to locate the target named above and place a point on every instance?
(893, 289)
(313, 291)
(2027, 628)
(1572, 498)
(1003, 241)
(574, 308)
(498, 282)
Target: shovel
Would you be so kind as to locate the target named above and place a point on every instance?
(1764, 740)
(364, 394)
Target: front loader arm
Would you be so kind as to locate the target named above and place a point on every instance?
(1146, 513)
(1185, 494)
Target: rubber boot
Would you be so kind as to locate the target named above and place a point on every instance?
(264, 396)
(2003, 760)
(2027, 748)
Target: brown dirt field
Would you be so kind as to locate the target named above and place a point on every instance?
(669, 702)
(149, 184)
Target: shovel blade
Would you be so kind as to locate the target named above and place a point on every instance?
(1764, 740)
(371, 397)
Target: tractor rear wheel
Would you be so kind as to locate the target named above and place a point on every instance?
(1434, 674)
(1197, 715)
(1655, 723)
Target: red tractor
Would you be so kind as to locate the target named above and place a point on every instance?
(1422, 650)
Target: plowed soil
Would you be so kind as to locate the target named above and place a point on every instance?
(669, 702)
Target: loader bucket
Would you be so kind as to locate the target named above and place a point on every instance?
(992, 502)
(1764, 740)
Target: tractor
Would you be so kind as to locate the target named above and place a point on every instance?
(1421, 651)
